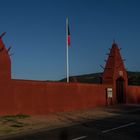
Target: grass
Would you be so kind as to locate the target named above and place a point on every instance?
(10, 123)
(5, 129)
(14, 117)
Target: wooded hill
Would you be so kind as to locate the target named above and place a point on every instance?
(133, 78)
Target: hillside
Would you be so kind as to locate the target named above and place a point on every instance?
(133, 78)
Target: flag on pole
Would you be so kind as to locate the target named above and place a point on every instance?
(68, 34)
(67, 45)
(68, 37)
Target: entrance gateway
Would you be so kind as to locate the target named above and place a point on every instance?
(115, 75)
(120, 90)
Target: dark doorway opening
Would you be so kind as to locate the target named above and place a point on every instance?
(120, 90)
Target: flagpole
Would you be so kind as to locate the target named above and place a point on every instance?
(67, 50)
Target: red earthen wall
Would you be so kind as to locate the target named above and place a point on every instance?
(133, 94)
(37, 97)
(34, 97)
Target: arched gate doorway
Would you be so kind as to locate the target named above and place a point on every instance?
(120, 90)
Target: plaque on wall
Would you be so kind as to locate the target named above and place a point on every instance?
(109, 92)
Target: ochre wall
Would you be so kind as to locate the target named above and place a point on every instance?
(133, 94)
(37, 97)
(34, 97)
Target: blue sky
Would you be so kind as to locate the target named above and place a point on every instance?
(36, 31)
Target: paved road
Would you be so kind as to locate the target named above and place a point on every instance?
(124, 126)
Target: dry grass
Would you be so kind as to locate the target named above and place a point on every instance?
(24, 123)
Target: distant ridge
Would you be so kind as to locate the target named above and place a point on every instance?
(133, 78)
(85, 78)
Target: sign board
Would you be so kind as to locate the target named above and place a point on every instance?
(109, 92)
